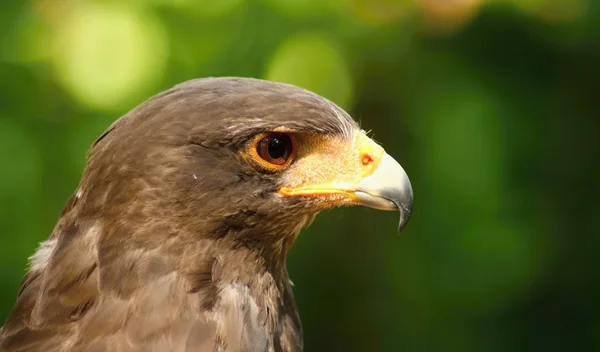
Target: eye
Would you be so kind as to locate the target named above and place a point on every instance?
(274, 151)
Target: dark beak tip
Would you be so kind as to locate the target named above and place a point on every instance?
(405, 213)
(403, 222)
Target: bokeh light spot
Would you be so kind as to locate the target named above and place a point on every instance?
(109, 55)
(314, 63)
(448, 15)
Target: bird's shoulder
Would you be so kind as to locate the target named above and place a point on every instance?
(85, 294)
(78, 296)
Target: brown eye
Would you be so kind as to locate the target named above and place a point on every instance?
(274, 151)
(275, 148)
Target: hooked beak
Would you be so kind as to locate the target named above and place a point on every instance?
(361, 174)
(388, 188)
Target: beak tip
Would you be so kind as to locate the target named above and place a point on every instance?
(405, 209)
(404, 217)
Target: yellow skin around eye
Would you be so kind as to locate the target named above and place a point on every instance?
(331, 167)
(321, 166)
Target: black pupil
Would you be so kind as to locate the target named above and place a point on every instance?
(277, 148)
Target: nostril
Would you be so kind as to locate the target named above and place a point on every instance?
(366, 160)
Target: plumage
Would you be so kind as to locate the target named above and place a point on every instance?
(176, 239)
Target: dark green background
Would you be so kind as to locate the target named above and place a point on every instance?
(491, 107)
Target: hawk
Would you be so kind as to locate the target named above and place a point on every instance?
(176, 237)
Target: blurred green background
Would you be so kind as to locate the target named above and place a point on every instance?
(491, 106)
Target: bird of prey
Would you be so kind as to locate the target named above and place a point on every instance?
(176, 237)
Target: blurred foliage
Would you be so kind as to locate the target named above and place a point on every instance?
(491, 106)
